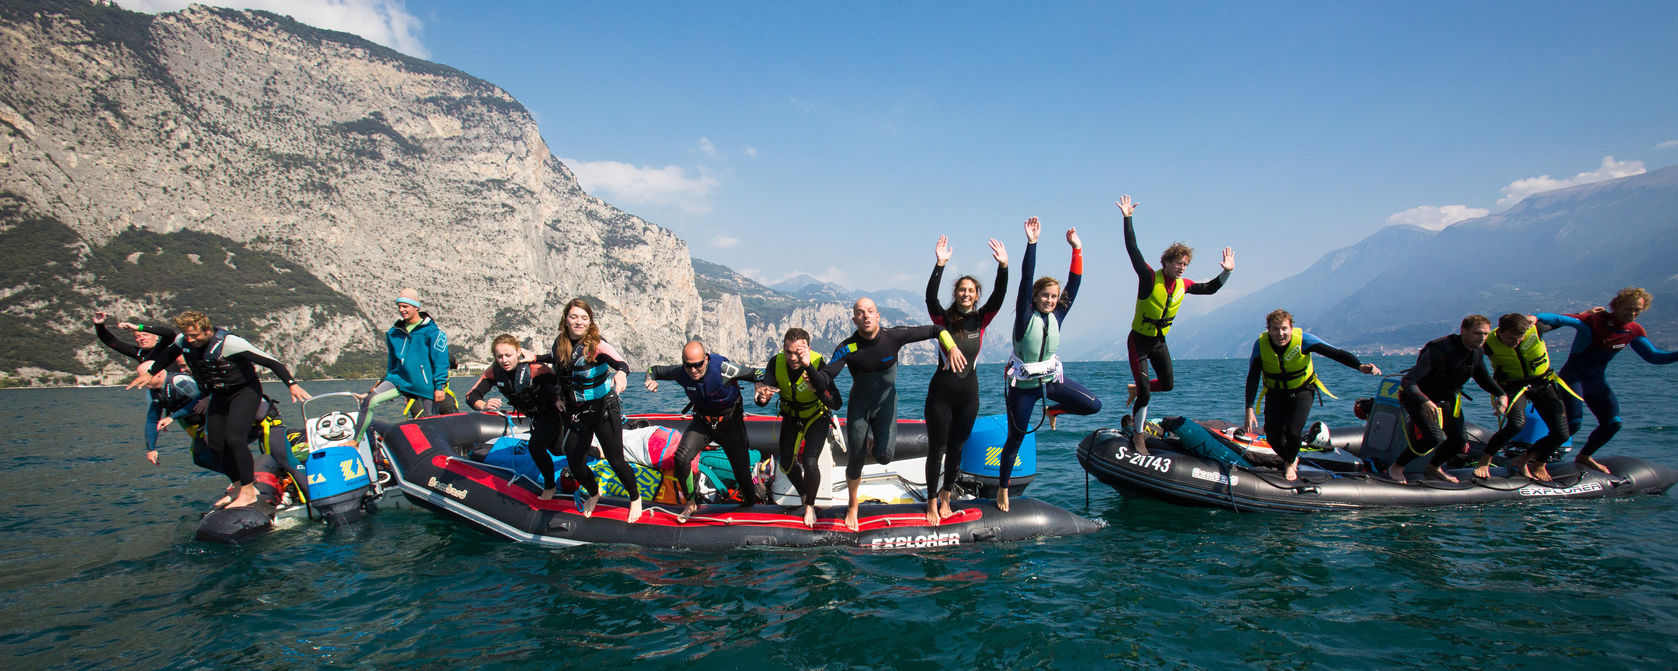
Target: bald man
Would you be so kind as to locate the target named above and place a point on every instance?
(712, 382)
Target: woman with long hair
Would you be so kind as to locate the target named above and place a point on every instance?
(591, 376)
(952, 398)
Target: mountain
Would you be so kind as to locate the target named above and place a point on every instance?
(898, 305)
(1560, 251)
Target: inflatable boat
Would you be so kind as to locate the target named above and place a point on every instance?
(444, 464)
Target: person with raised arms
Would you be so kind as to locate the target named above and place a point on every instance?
(417, 366)
(871, 356)
(1158, 295)
(532, 389)
(805, 411)
(169, 393)
(1281, 360)
(712, 383)
(952, 397)
(1601, 334)
(1431, 393)
(224, 366)
(1034, 371)
(591, 376)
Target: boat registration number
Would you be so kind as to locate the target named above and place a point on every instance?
(1139, 460)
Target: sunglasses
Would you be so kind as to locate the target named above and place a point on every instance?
(695, 365)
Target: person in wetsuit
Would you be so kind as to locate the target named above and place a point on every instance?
(1281, 362)
(166, 396)
(1431, 393)
(225, 367)
(417, 367)
(712, 383)
(871, 356)
(1158, 295)
(1034, 371)
(952, 398)
(1521, 365)
(805, 411)
(532, 389)
(1601, 334)
(591, 376)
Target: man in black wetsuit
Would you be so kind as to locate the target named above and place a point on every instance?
(166, 399)
(1432, 395)
(712, 382)
(871, 355)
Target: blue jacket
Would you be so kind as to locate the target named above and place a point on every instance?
(419, 359)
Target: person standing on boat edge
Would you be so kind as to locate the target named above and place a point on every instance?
(952, 398)
(165, 396)
(1281, 359)
(1521, 365)
(1600, 335)
(591, 376)
(871, 356)
(1034, 371)
(806, 414)
(225, 367)
(417, 367)
(712, 383)
(1158, 295)
(531, 388)
(1431, 393)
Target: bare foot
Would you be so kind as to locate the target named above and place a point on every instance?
(1396, 472)
(1483, 471)
(634, 510)
(1291, 473)
(810, 516)
(588, 506)
(1591, 463)
(1541, 473)
(1129, 394)
(1053, 420)
(850, 518)
(687, 511)
(247, 496)
(1139, 441)
(1002, 500)
(932, 512)
(944, 509)
(1519, 464)
(1437, 472)
(547, 494)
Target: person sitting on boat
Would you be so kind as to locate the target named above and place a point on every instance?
(417, 367)
(806, 414)
(1034, 372)
(1521, 365)
(1431, 393)
(1600, 335)
(952, 398)
(592, 375)
(532, 389)
(712, 383)
(1158, 295)
(225, 367)
(165, 396)
(1281, 359)
(871, 356)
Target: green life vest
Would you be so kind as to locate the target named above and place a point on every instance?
(1041, 339)
(1155, 313)
(797, 397)
(1525, 363)
(1289, 369)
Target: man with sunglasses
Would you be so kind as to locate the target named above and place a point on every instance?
(712, 383)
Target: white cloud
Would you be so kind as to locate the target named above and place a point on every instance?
(625, 184)
(1436, 217)
(1667, 144)
(1610, 169)
(724, 241)
(751, 152)
(707, 148)
(384, 22)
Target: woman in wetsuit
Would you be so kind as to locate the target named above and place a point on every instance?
(952, 398)
(1600, 335)
(529, 387)
(1034, 372)
(591, 376)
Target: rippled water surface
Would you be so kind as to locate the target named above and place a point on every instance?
(98, 570)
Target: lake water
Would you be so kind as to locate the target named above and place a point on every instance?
(98, 569)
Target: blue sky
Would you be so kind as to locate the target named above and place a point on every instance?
(841, 139)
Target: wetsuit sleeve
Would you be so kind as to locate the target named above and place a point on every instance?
(733, 372)
(993, 304)
(479, 388)
(903, 335)
(1315, 345)
(185, 412)
(933, 309)
(1645, 349)
(545, 357)
(161, 355)
(235, 346)
(164, 333)
(608, 355)
(1022, 302)
(111, 341)
(1483, 377)
(663, 372)
(1208, 287)
(1074, 279)
(1144, 272)
(1254, 370)
(1424, 366)
(822, 377)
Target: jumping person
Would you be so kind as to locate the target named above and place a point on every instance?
(712, 383)
(532, 389)
(166, 395)
(225, 367)
(952, 398)
(871, 356)
(591, 376)
(1034, 371)
(1158, 295)
(1431, 393)
(417, 366)
(1600, 335)
(1281, 359)
(805, 414)
(1521, 365)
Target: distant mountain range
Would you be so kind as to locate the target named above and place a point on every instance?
(901, 301)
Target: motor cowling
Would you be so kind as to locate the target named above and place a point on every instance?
(338, 484)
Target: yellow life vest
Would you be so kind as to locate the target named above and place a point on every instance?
(1291, 369)
(1525, 363)
(1155, 313)
(798, 398)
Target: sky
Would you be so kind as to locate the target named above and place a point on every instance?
(841, 139)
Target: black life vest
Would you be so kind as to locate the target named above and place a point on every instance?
(215, 372)
(523, 391)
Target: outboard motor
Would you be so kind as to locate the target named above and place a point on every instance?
(981, 457)
(1385, 437)
(340, 473)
